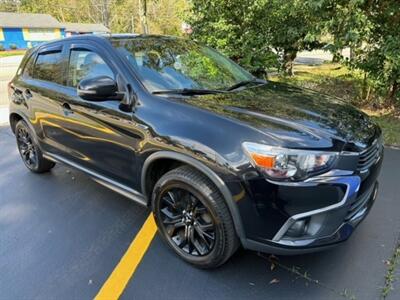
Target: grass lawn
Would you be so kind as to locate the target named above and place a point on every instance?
(11, 53)
(391, 128)
(337, 80)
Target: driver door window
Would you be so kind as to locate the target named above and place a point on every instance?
(85, 64)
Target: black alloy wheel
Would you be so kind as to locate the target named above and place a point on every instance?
(187, 221)
(30, 152)
(193, 219)
(26, 148)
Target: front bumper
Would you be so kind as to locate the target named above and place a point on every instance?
(346, 200)
(359, 209)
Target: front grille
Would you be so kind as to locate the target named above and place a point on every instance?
(360, 202)
(369, 156)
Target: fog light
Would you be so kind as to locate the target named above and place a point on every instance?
(298, 228)
(306, 227)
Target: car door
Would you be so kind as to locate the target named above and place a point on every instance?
(39, 88)
(97, 136)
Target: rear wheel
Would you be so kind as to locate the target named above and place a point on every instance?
(193, 219)
(30, 152)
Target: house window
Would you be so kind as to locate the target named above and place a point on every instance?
(41, 34)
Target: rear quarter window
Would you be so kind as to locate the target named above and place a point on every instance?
(48, 67)
(27, 68)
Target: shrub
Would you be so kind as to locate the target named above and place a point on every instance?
(2, 47)
(13, 47)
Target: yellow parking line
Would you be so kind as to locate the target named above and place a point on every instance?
(117, 281)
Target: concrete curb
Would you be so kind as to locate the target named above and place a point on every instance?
(393, 147)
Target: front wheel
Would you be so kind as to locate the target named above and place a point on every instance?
(193, 219)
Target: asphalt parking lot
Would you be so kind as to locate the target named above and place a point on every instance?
(62, 234)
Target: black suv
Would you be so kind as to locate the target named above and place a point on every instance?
(222, 158)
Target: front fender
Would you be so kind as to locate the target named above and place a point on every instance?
(219, 183)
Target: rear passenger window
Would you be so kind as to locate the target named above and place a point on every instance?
(85, 64)
(48, 67)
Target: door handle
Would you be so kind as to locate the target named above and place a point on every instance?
(67, 109)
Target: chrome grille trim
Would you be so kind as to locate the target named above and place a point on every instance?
(369, 156)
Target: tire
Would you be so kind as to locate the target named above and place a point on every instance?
(193, 219)
(30, 152)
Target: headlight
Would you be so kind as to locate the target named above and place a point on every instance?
(288, 164)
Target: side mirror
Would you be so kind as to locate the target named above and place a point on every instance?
(99, 88)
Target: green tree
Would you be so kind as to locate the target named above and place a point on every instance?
(380, 56)
(292, 26)
(63, 10)
(371, 29)
(231, 26)
(9, 5)
(161, 16)
(255, 33)
(344, 21)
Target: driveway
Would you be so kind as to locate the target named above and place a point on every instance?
(317, 57)
(62, 234)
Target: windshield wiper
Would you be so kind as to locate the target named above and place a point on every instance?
(188, 92)
(245, 82)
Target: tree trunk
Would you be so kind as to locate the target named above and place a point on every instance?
(368, 96)
(62, 15)
(365, 89)
(391, 97)
(101, 11)
(143, 16)
(288, 59)
(352, 54)
(337, 56)
(132, 24)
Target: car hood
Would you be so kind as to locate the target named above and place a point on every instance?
(294, 117)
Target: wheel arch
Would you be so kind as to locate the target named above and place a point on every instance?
(184, 159)
(17, 116)
(14, 118)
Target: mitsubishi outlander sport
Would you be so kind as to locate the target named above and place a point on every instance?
(221, 158)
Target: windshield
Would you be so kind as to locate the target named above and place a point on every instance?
(164, 63)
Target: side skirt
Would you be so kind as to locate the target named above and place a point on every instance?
(105, 181)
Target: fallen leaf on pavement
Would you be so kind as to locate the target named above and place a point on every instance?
(273, 266)
(274, 281)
